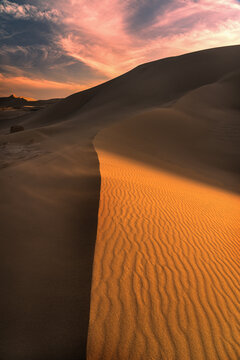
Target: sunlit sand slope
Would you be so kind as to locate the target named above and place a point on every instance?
(166, 276)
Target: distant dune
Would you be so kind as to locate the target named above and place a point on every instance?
(139, 179)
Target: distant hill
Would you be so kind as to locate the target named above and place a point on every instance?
(18, 102)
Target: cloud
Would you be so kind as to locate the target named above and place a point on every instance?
(29, 49)
(114, 38)
(37, 88)
(141, 14)
(27, 11)
(90, 41)
(46, 61)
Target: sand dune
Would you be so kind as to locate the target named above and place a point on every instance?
(165, 282)
(196, 137)
(152, 84)
(166, 268)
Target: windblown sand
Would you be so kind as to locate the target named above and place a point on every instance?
(165, 281)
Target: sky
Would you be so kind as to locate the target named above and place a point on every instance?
(52, 49)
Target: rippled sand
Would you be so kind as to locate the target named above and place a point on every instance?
(165, 280)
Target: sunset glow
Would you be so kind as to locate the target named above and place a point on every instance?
(66, 46)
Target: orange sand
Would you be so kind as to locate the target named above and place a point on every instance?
(165, 282)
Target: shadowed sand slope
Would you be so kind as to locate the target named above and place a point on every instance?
(49, 202)
(197, 137)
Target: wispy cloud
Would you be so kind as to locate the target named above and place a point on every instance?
(28, 11)
(108, 41)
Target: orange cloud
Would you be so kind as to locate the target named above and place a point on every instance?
(24, 86)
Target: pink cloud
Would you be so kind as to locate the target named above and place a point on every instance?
(98, 35)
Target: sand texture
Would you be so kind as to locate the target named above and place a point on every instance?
(145, 170)
(166, 269)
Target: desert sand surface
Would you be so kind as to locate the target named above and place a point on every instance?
(49, 204)
(143, 169)
(166, 269)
